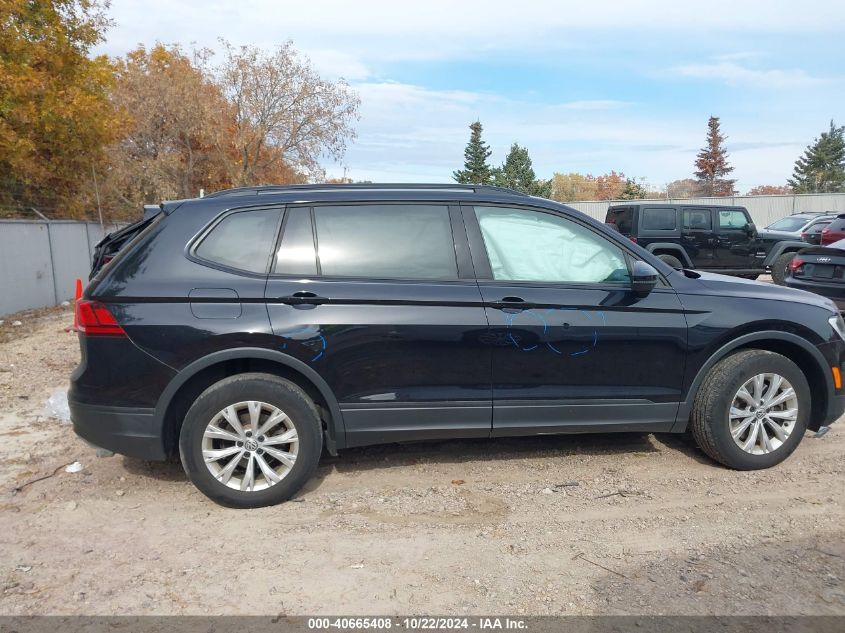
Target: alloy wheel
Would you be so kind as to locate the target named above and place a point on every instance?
(250, 446)
(763, 413)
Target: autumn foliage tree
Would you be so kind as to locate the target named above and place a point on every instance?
(55, 112)
(286, 117)
(770, 190)
(711, 163)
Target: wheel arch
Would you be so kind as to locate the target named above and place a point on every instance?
(670, 249)
(192, 380)
(801, 352)
(783, 247)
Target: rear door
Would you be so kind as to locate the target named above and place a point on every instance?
(698, 236)
(381, 300)
(574, 349)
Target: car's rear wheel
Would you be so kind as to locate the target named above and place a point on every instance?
(673, 261)
(751, 410)
(251, 440)
(779, 268)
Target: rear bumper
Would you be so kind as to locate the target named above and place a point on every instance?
(834, 291)
(131, 431)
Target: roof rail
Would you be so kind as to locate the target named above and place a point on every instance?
(247, 191)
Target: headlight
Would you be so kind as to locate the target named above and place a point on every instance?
(838, 325)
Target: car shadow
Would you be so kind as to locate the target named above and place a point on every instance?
(387, 456)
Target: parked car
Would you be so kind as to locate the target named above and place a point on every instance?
(813, 233)
(792, 226)
(712, 238)
(834, 231)
(249, 330)
(821, 270)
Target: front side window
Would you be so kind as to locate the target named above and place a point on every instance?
(525, 245)
(659, 219)
(386, 241)
(698, 219)
(732, 220)
(817, 228)
(242, 240)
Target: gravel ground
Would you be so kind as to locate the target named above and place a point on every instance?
(590, 524)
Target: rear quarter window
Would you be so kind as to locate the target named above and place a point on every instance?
(659, 219)
(622, 217)
(241, 240)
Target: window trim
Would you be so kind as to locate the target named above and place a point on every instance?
(481, 259)
(197, 240)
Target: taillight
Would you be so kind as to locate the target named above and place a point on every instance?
(94, 319)
(795, 266)
(804, 235)
(827, 237)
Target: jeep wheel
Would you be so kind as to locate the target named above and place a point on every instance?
(673, 261)
(251, 440)
(751, 410)
(779, 268)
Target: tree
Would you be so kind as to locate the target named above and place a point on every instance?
(284, 113)
(477, 170)
(822, 167)
(712, 163)
(573, 187)
(633, 191)
(177, 126)
(55, 115)
(682, 189)
(517, 173)
(770, 190)
(610, 186)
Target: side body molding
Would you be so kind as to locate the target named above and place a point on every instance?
(685, 409)
(335, 431)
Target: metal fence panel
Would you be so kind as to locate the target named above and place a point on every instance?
(69, 242)
(26, 270)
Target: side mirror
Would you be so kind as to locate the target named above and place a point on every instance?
(643, 278)
(751, 228)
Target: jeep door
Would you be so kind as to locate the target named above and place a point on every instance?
(574, 349)
(737, 246)
(381, 301)
(698, 237)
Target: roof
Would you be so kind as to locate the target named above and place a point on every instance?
(347, 188)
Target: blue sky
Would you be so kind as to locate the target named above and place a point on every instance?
(586, 86)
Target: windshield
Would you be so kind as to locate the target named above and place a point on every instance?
(788, 224)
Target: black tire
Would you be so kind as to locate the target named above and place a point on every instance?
(779, 268)
(673, 261)
(710, 415)
(275, 391)
(751, 277)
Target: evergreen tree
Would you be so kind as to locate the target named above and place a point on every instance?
(633, 190)
(517, 173)
(476, 170)
(822, 167)
(712, 163)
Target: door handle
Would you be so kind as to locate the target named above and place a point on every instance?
(510, 304)
(302, 297)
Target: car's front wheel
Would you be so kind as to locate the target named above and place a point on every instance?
(751, 410)
(251, 440)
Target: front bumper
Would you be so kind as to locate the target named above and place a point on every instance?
(131, 431)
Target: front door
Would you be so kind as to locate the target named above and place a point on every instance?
(737, 247)
(380, 300)
(698, 236)
(574, 350)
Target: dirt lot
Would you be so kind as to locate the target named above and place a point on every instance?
(620, 524)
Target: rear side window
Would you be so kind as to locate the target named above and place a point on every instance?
(242, 240)
(385, 241)
(659, 220)
(732, 219)
(622, 217)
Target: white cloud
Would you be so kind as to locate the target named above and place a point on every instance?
(737, 74)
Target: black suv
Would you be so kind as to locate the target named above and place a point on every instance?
(718, 238)
(248, 330)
